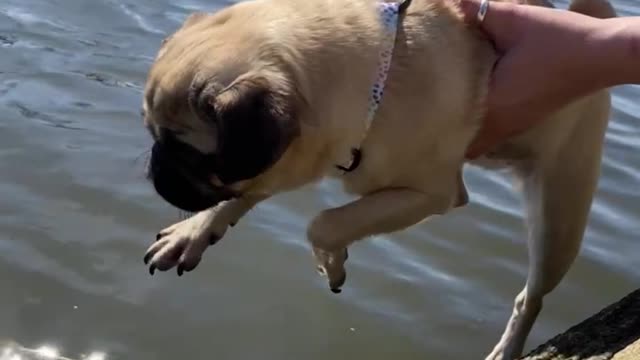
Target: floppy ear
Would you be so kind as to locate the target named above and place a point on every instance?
(255, 124)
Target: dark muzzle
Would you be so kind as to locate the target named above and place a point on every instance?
(180, 176)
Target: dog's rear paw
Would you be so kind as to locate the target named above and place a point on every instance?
(496, 356)
(181, 246)
(500, 353)
(331, 265)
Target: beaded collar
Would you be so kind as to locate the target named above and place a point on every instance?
(389, 13)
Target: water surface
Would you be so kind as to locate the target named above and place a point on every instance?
(77, 215)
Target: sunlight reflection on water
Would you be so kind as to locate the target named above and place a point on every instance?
(46, 352)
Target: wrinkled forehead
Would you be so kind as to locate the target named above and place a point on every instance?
(167, 115)
(160, 105)
(164, 115)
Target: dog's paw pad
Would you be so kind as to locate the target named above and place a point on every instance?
(331, 266)
(176, 250)
(321, 270)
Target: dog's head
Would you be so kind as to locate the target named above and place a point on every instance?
(220, 115)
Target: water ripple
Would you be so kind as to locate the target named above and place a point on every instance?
(47, 119)
(77, 216)
(131, 12)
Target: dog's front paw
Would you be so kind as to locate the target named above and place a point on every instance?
(181, 245)
(331, 265)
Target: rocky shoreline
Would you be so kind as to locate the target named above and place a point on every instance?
(611, 334)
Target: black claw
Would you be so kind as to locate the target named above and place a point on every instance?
(336, 287)
(152, 269)
(180, 269)
(190, 267)
(346, 254)
(232, 224)
(214, 239)
(158, 236)
(147, 257)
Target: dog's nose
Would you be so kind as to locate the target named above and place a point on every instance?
(176, 186)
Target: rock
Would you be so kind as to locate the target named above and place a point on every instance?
(611, 334)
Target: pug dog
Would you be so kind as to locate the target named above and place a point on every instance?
(264, 96)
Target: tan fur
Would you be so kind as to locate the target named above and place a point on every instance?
(321, 56)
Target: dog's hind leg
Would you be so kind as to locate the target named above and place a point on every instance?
(384, 211)
(558, 201)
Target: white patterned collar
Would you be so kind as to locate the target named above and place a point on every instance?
(389, 13)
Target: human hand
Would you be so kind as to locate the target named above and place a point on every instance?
(546, 60)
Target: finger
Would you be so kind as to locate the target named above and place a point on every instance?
(499, 22)
(470, 10)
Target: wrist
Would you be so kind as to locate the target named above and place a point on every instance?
(617, 51)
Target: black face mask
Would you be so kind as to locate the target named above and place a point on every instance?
(181, 175)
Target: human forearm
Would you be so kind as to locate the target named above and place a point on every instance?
(619, 53)
(600, 46)
(548, 58)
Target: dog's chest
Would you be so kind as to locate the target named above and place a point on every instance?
(385, 163)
